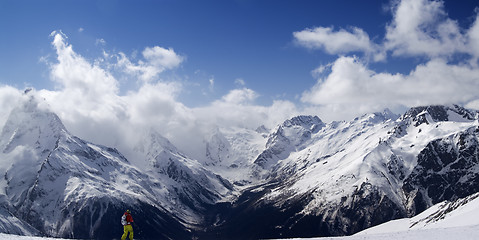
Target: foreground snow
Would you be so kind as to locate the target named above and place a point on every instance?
(4, 236)
(463, 233)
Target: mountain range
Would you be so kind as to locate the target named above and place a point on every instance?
(303, 178)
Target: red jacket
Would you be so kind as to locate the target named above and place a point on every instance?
(129, 219)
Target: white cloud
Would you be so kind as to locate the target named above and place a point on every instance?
(153, 103)
(422, 27)
(156, 60)
(473, 40)
(240, 96)
(352, 89)
(89, 103)
(419, 29)
(335, 42)
(9, 97)
(162, 57)
(74, 72)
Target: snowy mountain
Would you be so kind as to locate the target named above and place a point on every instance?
(184, 185)
(304, 178)
(349, 176)
(59, 185)
(231, 152)
(291, 136)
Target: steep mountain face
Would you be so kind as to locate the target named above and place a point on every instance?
(447, 169)
(291, 136)
(231, 152)
(186, 185)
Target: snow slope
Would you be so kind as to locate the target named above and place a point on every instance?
(443, 221)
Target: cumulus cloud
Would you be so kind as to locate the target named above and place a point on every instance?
(83, 89)
(161, 57)
(74, 72)
(337, 42)
(155, 61)
(240, 96)
(88, 100)
(9, 97)
(473, 40)
(422, 27)
(419, 29)
(351, 88)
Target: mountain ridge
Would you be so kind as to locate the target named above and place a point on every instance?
(304, 178)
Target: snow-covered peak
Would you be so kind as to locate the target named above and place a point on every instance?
(438, 113)
(262, 130)
(295, 131)
(429, 115)
(292, 135)
(312, 123)
(377, 117)
(151, 144)
(28, 124)
(217, 147)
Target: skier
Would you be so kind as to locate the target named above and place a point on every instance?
(126, 221)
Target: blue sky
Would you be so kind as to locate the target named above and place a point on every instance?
(235, 63)
(224, 40)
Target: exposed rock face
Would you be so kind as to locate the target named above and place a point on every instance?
(447, 169)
